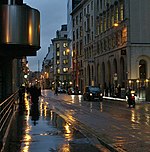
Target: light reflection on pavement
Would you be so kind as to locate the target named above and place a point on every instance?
(126, 129)
(44, 130)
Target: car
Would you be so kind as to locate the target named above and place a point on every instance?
(92, 93)
(71, 91)
(61, 90)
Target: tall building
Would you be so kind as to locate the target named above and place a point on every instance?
(116, 43)
(62, 58)
(71, 5)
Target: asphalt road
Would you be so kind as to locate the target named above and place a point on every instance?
(115, 126)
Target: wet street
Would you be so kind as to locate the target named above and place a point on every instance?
(66, 123)
(45, 131)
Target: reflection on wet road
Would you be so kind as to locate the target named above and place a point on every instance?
(122, 127)
(44, 130)
(141, 114)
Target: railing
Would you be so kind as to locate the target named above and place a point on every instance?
(7, 111)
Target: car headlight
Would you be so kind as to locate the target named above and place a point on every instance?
(90, 94)
(101, 94)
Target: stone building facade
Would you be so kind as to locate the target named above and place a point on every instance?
(115, 42)
(62, 58)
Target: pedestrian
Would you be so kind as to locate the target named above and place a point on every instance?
(21, 99)
(128, 94)
(56, 91)
(34, 92)
(106, 91)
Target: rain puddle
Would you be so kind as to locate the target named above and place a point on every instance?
(42, 130)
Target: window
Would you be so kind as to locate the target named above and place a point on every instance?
(65, 44)
(104, 20)
(92, 23)
(65, 61)
(58, 62)
(112, 17)
(73, 35)
(58, 53)
(81, 32)
(65, 35)
(101, 4)
(97, 5)
(121, 11)
(88, 9)
(85, 26)
(77, 35)
(58, 70)
(101, 25)
(65, 69)
(116, 15)
(81, 47)
(80, 17)
(92, 5)
(142, 69)
(124, 35)
(57, 45)
(84, 11)
(77, 20)
(73, 23)
(108, 20)
(64, 53)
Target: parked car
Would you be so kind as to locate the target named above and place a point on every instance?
(72, 91)
(92, 93)
(61, 90)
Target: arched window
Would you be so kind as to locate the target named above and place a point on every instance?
(142, 69)
(98, 74)
(115, 65)
(109, 72)
(103, 72)
(89, 72)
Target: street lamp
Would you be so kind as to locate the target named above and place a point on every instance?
(116, 24)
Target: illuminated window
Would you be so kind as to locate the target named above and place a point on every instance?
(58, 70)
(65, 44)
(57, 45)
(108, 20)
(104, 20)
(112, 17)
(121, 11)
(65, 69)
(67, 52)
(64, 52)
(65, 61)
(58, 62)
(124, 35)
(58, 54)
(116, 15)
(101, 25)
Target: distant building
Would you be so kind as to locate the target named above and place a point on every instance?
(47, 76)
(62, 58)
